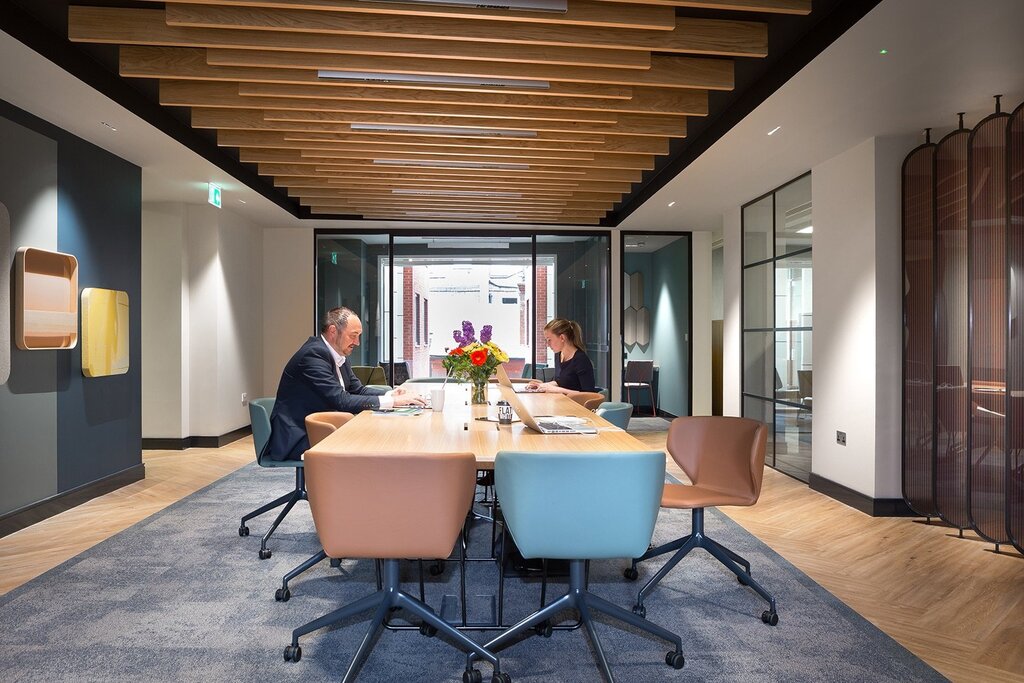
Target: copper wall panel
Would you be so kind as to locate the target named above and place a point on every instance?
(918, 190)
(951, 397)
(1015, 338)
(986, 215)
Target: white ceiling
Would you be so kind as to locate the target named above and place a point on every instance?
(944, 56)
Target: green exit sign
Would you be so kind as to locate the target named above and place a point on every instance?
(215, 195)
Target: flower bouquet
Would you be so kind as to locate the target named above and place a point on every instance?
(474, 360)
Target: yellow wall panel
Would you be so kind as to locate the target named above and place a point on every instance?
(104, 332)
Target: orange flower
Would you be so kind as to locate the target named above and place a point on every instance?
(457, 351)
(478, 357)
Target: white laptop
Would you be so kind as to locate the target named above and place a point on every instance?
(542, 425)
(505, 381)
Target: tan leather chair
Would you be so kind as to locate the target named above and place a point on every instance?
(724, 458)
(353, 519)
(318, 427)
(586, 398)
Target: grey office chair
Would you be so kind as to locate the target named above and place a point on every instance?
(259, 415)
(640, 375)
(616, 413)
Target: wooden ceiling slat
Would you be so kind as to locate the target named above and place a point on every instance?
(128, 26)
(771, 6)
(579, 12)
(482, 174)
(212, 94)
(666, 71)
(497, 219)
(520, 210)
(332, 157)
(373, 182)
(480, 203)
(689, 36)
(643, 101)
(638, 124)
(253, 120)
(451, 192)
(185, 63)
(636, 145)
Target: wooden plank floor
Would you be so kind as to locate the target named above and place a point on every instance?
(953, 602)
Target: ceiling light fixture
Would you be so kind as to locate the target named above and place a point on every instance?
(241, 201)
(774, 130)
(671, 204)
(524, 5)
(451, 164)
(108, 126)
(430, 79)
(806, 231)
(442, 130)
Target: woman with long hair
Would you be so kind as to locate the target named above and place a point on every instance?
(573, 370)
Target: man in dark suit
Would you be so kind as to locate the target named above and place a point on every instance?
(318, 378)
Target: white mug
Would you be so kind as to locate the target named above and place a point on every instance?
(437, 399)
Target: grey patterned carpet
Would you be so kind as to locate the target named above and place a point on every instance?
(180, 597)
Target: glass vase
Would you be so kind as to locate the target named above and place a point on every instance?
(479, 394)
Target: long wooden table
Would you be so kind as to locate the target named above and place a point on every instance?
(456, 429)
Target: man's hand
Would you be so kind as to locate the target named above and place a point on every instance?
(407, 399)
(398, 391)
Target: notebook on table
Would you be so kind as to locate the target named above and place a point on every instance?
(542, 425)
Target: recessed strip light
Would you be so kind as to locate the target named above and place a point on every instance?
(806, 231)
(108, 126)
(430, 79)
(774, 130)
(525, 5)
(451, 164)
(671, 204)
(443, 130)
(457, 193)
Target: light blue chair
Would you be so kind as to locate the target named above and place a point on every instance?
(616, 413)
(259, 415)
(580, 506)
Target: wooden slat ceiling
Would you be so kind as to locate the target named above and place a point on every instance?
(466, 114)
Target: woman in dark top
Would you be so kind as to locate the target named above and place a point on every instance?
(574, 370)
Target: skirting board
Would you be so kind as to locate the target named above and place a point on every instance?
(195, 441)
(876, 507)
(37, 512)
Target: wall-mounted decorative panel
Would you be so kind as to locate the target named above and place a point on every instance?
(1015, 338)
(46, 306)
(104, 332)
(952, 401)
(918, 329)
(986, 182)
(5, 294)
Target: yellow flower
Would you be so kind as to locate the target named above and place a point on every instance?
(498, 353)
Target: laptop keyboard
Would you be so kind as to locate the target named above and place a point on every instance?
(554, 426)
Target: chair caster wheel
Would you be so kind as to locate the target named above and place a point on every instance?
(243, 531)
(282, 594)
(265, 553)
(472, 676)
(640, 611)
(335, 562)
(429, 630)
(770, 618)
(292, 653)
(501, 678)
(631, 573)
(437, 569)
(544, 629)
(675, 659)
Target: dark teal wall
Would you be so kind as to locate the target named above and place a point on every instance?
(98, 422)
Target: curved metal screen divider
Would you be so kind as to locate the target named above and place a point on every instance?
(951, 397)
(1015, 336)
(918, 195)
(986, 216)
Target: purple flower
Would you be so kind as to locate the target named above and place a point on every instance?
(468, 333)
(485, 334)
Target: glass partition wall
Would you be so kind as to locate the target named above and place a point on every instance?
(777, 322)
(412, 290)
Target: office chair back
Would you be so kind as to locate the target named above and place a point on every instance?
(588, 399)
(616, 413)
(639, 371)
(259, 416)
(721, 454)
(370, 374)
(321, 425)
(580, 505)
(389, 505)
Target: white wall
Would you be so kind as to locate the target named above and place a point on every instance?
(701, 333)
(731, 376)
(288, 299)
(202, 320)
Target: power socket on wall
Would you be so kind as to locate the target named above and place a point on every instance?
(245, 399)
(841, 438)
